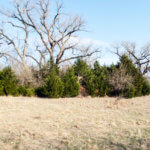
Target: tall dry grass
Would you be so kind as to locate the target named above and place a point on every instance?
(78, 123)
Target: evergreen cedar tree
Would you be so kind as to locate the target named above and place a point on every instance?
(71, 85)
(9, 84)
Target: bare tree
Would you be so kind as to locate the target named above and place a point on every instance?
(56, 31)
(41, 61)
(120, 79)
(34, 31)
(140, 57)
(14, 44)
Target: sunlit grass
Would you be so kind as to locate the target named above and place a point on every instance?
(86, 123)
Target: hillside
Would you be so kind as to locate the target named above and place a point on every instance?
(87, 123)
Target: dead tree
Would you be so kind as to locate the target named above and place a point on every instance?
(55, 30)
(120, 79)
(14, 44)
(140, 57)
(31, 21)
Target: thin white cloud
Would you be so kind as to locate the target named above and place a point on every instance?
(88, 41)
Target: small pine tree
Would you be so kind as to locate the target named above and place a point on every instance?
(146, 88)
(101, 80)
(89, 84)
(71, 85)
(97, 68)
(8, 82)
(25, 91)
(138, 84)
(129, 92)
(127, 63)
(1, 89)
(81, 68)
(53, 87)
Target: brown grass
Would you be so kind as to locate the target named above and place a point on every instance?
(79, 123)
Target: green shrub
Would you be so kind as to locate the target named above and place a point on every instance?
(8, 82)
(30, 92)
(81, 68)
(138, 86)
(146, 88)
(84, 71)
(101, 80)
(129, 92)
(71, 85)
(40, 91)
(43, 73)
(89, 83)
(95, 81)
(1, 90)
(127, 63)
(53, 86)
(24, 91)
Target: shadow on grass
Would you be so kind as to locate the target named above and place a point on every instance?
(130, 143)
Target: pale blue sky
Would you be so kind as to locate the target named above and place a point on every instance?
(112, 20)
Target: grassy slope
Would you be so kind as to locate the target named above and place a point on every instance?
(98, 123)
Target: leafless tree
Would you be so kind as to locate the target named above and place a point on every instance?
(39, 31)
(15, 42)
(140, 57)
(120, 79)
(56, 30)
(14, 46)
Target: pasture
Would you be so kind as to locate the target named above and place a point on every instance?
(74, 123)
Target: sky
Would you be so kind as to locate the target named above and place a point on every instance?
(111, 21)
(114, 20)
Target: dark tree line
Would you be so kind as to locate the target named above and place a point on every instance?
(122, 79)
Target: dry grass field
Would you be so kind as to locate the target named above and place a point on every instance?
(78, 123)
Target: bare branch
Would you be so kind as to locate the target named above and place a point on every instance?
(141, 58)
(55, 31)
(10, 42)
(120, 79)
(80, 56)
